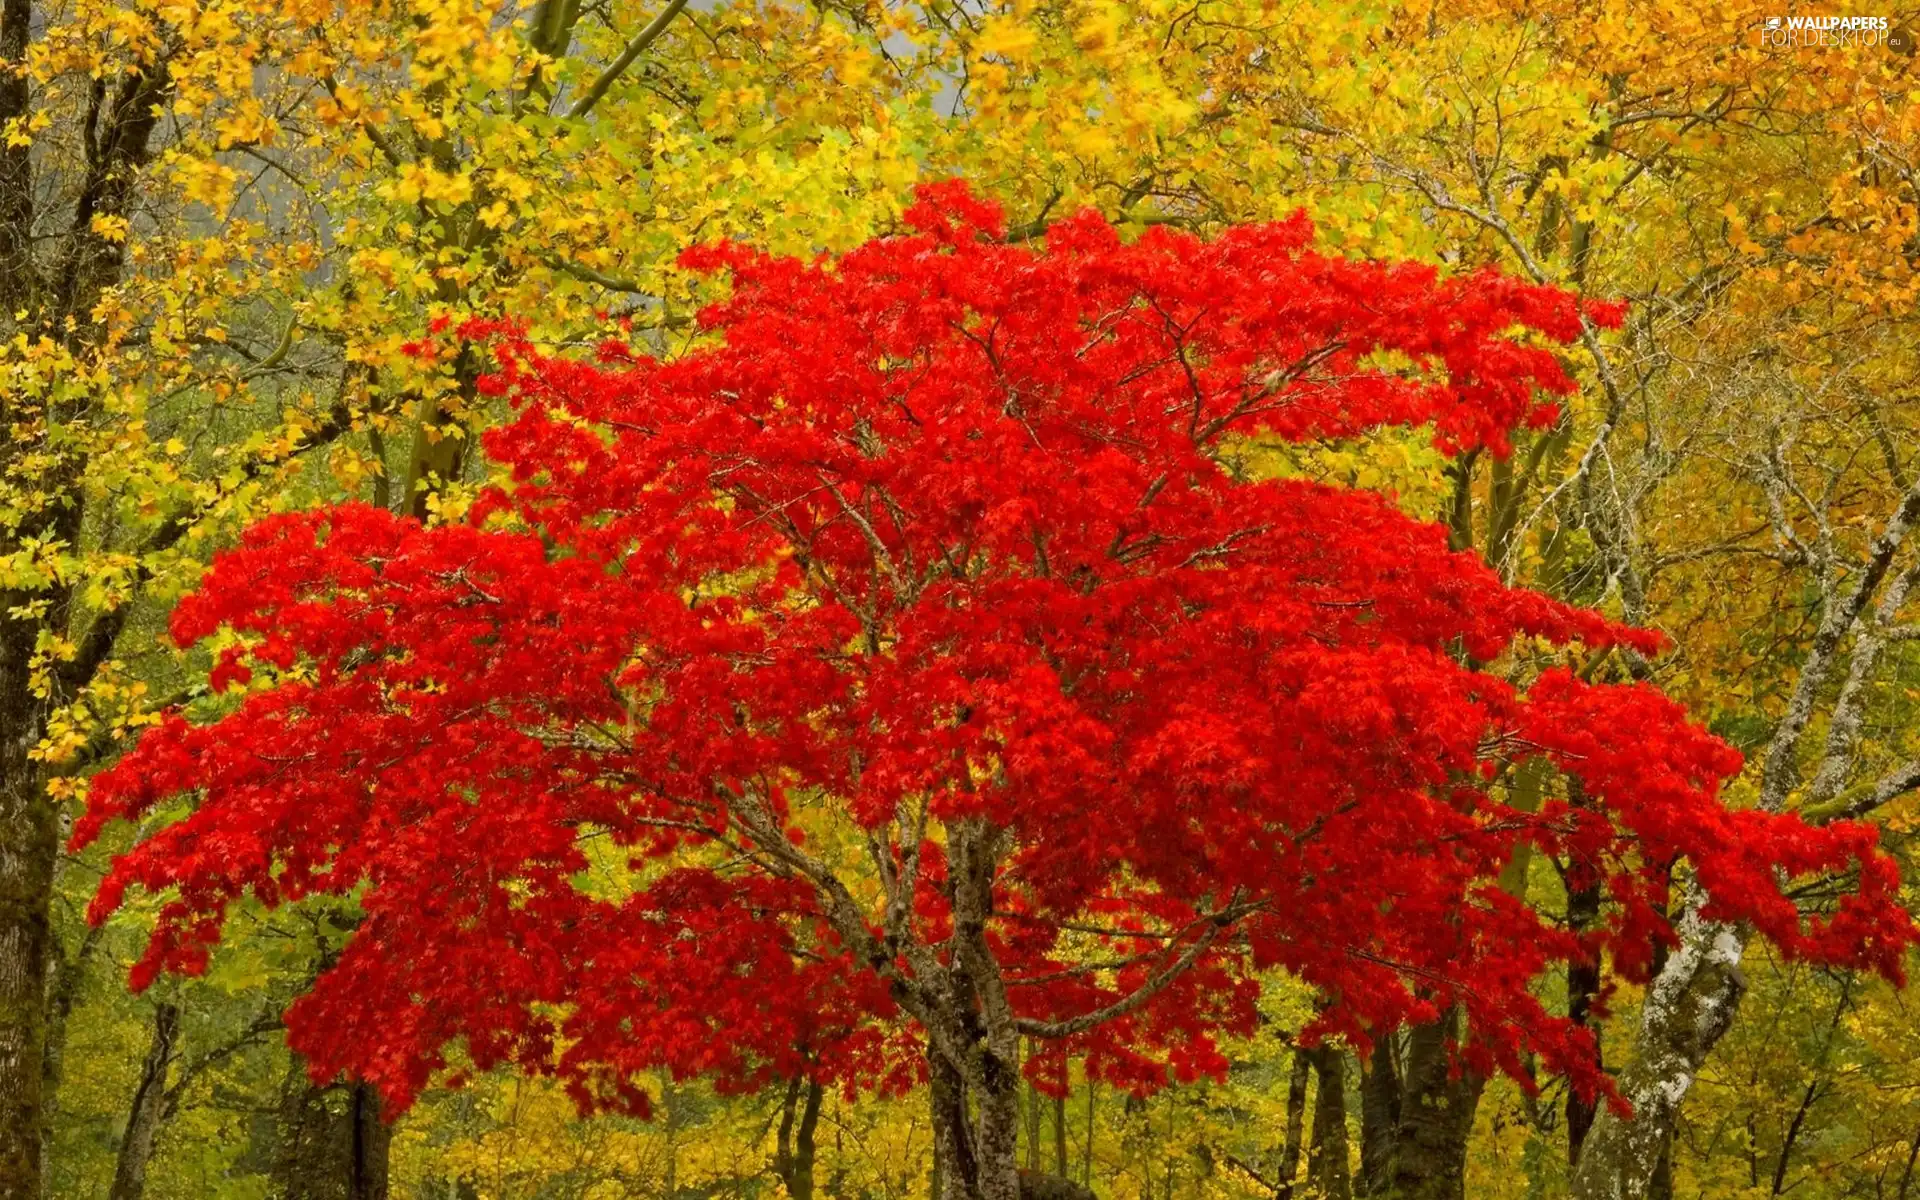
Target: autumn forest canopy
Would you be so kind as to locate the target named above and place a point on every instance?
(957, 601)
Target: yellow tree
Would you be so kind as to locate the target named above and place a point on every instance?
(220, 223)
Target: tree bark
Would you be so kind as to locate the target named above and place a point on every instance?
(998, 1142)
(977, 1129)
(976, 1142)
(1060, 1136)
(1379, 1115)
(1436, 1116)
(1327, 1165)
(29, 819)
(148, 1110)
(28, 843)
(1287, 1171)
(975, 1051)
(1583, 988)
(1688, 1008)
(799, 1117)
(954, 1174)
(18, 278)
(29, 851)
(1661, 1188)
(333, 1144)
(975, 1113)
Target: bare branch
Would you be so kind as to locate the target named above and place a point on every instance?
(618, 67)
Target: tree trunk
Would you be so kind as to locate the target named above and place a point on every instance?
(997, 1142)
(977, 1129)
(65, 975)
(1583, 988)
(1687, 1009)
(1379, 1115)
(976, 1050)
(29, 851)
(1327, 1165)
(799, 1116)
(333, 1145)
(1436, 1116)
(1662, 1186)
(148, 1110)
(1086, 1163)
(1060, 1136)
(29, 846)
(29, 818)
(1287, 1173)
(954, 1177)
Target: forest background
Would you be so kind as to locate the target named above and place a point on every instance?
(221, 222)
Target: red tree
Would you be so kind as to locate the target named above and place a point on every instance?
(943, 679)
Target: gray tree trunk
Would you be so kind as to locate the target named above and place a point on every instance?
(977, 1131)
(1688, 1008)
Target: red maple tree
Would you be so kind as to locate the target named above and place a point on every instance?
(942, 678)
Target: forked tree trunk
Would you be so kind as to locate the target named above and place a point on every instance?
(799, 1117)
(148, 1109)
(976, 1134)
(976, 1130)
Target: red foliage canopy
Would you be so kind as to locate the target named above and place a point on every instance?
(942, 679)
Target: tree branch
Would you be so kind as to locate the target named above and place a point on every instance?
(1146, 991)
(618, 67)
